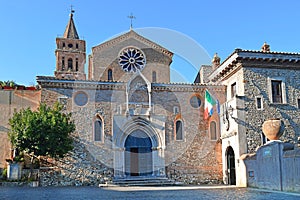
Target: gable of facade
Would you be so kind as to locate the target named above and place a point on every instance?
(109, 60)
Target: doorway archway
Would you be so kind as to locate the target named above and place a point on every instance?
(138, 154)
(230, 158)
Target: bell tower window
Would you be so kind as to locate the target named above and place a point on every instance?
(76, 64)
(63, 63)
(70, 64)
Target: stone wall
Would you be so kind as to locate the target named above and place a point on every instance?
(203, 74)
(256, 84)
(195, 159)
(195, 166)
(274, 166)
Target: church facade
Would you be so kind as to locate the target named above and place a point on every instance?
(132, 123)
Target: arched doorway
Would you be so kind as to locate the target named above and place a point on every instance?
(230, 166)
(138, 154)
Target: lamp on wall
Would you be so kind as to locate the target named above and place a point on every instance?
(230, 111)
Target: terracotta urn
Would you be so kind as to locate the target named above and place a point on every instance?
(273, 128)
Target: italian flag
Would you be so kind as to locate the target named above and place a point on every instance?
(208, 105)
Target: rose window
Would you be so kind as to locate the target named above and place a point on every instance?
(132, 59)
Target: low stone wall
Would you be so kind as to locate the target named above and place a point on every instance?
(275, 166)
(291, 170)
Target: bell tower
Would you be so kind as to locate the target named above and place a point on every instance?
(70, 54)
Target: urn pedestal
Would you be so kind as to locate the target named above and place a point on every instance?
(273, 128)
(14, 171)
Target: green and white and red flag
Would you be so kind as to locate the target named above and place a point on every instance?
(208, 105)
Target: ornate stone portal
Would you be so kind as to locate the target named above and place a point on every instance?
(138, 147)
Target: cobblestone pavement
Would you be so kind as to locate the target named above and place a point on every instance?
(140, 193)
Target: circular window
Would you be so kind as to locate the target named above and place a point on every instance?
(195, 102)
(132, 59)
(70, 45)
(81, 98)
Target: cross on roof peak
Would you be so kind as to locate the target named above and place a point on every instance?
(131, 17)
(72, 10)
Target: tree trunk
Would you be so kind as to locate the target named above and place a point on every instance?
(31, 168)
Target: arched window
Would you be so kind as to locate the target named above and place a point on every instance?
(63, 63)
(154, 76)
(98, 129)
(109, 75)
(179, 130)
(76, 64)
(213, 130)
(175, 110)
(70, 64)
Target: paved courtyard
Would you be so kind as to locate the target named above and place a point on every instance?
(132, 193)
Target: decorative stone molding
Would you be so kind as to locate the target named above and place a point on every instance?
(51, 82)
(228, 135)
(255, 58)
(133, 34)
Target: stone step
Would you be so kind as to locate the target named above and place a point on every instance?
(145, 182)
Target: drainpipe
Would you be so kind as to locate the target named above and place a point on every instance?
(9, 102)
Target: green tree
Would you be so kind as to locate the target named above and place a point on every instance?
(45, 132)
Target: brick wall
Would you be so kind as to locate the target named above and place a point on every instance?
(11, 101)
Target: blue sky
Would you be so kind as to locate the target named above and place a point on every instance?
(29, 28)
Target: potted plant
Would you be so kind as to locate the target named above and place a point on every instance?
(8, 85)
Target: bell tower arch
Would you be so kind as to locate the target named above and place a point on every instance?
(70, 54)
